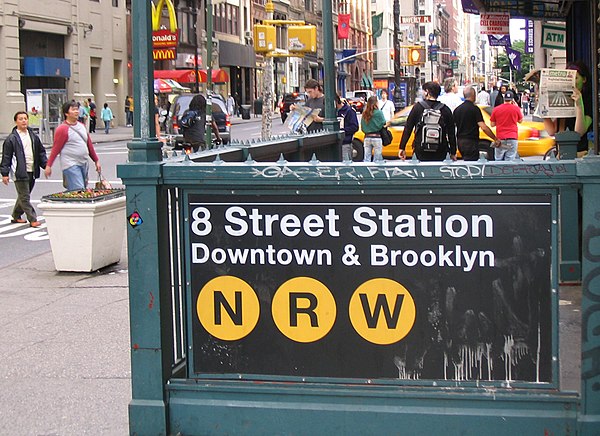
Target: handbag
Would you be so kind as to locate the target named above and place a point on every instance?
(102, 183)
(386, 136)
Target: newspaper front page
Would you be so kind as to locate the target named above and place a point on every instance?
(301, 117)
(556, 88)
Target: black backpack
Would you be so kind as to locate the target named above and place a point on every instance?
(188, 119)
(431, 125)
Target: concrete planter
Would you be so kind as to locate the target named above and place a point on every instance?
(87, 234)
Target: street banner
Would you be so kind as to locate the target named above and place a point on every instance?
(495, 23)
(554, 96)
(377, 24)
(395, 287)
(343, 26)
(529, 36)
(469, 7)
(514, 57)
(499, 40)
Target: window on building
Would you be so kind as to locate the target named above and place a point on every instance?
(115, 3)
(308, 5)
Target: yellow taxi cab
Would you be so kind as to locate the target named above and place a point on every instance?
(534, 140)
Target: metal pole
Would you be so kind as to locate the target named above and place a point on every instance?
(331, 122)
(398, 98)
(144, 147)
(209, 49)
(265, 132)
(197, 79)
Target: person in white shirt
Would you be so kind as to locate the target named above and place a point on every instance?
(386, 106)
(451, 97)
(483, 97)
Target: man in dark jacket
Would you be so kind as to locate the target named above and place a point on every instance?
(349, 124)
(431, 91)
(24, 154)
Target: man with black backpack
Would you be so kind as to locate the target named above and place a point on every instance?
(193, 124)
(434, 128)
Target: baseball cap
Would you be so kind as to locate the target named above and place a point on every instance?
(509, 95)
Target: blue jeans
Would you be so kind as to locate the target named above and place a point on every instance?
(507, 149)
(373, 143)
(75, 177)
(106, 126)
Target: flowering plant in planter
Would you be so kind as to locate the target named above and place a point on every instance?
(85, 195)
(86, 227)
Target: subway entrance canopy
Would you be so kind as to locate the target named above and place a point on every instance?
(523, 8)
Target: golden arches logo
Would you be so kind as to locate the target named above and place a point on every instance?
(157, 13)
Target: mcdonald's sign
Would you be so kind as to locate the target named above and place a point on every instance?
(164, 41)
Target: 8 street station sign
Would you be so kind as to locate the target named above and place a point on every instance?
(438, 289)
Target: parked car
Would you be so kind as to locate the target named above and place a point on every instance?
(357, 103)
(288, 99)
(219, 114)
(533, 138)
(360, 93)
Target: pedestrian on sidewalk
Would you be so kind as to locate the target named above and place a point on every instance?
(468, 119)
(371, 123)
(73, 143)
(93, 114)
(23, 154)
(505, 118)
(107, 117)
(349, 124)
(128, 120)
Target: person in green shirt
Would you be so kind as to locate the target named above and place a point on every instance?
(371, 123)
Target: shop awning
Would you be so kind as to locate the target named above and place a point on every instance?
(188, 76)
(521, 8)
(366, 81)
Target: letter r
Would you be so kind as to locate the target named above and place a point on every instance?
(310, 310)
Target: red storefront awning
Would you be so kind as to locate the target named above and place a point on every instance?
(188, 76)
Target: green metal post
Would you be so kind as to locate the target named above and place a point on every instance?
(589, 420)
(148, 309)
(209, 49)
(331, 122)
(570, 263)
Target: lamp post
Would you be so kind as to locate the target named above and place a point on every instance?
(431, 40)
(197, 79)
(399, 102)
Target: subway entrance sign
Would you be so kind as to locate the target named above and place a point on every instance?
(418, 288)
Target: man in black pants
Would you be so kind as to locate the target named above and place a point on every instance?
(468, 120)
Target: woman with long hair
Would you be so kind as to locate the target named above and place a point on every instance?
(371, 123)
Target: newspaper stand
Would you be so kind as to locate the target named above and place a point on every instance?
(222, 345)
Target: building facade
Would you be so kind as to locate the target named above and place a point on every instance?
(54, 51)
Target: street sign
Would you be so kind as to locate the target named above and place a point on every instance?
(495, 23)
(415, 19)
(554, 36)
(431, 37)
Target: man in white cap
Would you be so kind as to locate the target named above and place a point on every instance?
(505, 118)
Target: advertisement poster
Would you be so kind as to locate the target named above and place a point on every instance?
(34, 107)
(442, 287)
(554, 97)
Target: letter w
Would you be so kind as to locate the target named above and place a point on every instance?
(381, 304)
(221, 302)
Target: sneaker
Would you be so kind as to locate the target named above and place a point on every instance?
(35, 224)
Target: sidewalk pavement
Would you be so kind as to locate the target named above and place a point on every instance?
(64, 350)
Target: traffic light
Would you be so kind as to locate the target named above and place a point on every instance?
(416, 56)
